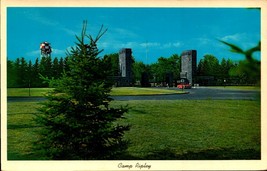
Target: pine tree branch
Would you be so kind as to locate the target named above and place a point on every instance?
(233, 47)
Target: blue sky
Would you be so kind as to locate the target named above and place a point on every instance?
(150, 32)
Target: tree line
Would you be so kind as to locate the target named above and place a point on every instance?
(210, 71)
(23, 73)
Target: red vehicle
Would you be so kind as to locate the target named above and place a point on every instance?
(184, 84)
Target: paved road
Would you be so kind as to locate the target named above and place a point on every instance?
(25, 99)
(200, 93)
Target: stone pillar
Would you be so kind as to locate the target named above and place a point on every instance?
(189, 65)
(126, 61)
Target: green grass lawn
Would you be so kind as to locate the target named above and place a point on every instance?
(179, 129)
(257, 88)
(121, 91)
(21, 130)
(26, 91)
(115, 91)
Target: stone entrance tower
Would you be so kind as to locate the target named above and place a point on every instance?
(189, 65)
(126, 61)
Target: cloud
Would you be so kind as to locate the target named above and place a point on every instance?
(129, 45)
(171, 45)
(55, 52)
(167, 45)
(243, 40)
(126, 33)
(117, 38)
(58, 52)
(116, 45)
(233, 37)
(203, 41)
(162, 46)
(177, 44)
(37, 17)
(68, 31)
(33, 53)
(116, 34)
(150, 44)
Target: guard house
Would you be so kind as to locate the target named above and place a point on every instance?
(189, 65)
(125, 62)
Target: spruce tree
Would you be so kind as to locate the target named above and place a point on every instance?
(78, 121)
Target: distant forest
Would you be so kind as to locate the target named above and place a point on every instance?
(210, 71)
(22, 73)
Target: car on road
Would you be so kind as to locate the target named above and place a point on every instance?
(184, 84)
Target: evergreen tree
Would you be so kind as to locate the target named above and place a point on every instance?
(66, 65)
(30, 73)
(21, 72)
(36, 81)
(17, 70)
(11, 74)
(61, 65)
(45, 69)
(77, 118)
(56, 71)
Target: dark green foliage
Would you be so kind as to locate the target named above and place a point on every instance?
(167, 66)
(11, 74)
(141, 73)
(209, 65)
(22, 73)
(56, 68)
(145, 80)
(78, 121)
(164, 70)
(113, 62)
(36, 81)
(22, 77)
(250, 68)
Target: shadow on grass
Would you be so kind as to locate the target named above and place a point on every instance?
(28, 156)
(15, 126)
(209, 154)
(136, 111)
